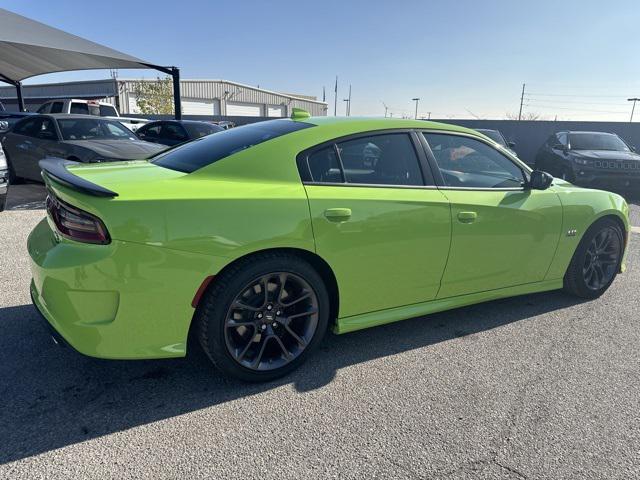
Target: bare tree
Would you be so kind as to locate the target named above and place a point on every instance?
(525, 116)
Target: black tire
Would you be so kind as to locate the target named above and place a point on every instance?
(577, 278)
(13, 178)
(215, 316)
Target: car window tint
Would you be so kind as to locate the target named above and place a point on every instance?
(28, 127)
(469, 163)
(207, 150)
(173, 131)
(388, 159)
(107, 111)
(90, 129)
(46, 130)
(150, 131)
(81, 108)
(197, 130)
(324, 166)
(44, 108)
(56, 107)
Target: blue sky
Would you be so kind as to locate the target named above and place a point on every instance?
(462, 58)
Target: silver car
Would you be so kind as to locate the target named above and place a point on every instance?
(82, 138)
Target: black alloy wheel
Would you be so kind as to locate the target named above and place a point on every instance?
(271, 321)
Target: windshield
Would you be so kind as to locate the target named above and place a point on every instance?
(494, 135)
(90, 129)
(191, 156)
(597, 141)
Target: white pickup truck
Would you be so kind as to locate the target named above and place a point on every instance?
(91, 107)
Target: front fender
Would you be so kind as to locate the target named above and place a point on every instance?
(582, 207)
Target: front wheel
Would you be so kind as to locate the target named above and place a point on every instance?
(263, 317)
(596, 261)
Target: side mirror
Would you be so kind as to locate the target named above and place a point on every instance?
(511, 144)
(540, 180)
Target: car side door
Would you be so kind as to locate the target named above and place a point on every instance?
(21, 146)
(43, 144)
(378, 219)
(503, 233)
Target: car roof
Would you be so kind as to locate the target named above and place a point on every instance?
(589, 132)
(58, 116)
(179, 121)
(349, 125)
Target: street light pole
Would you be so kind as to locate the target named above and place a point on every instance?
(416, 100)
(634, 100)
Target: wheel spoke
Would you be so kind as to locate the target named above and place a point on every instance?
(256, 361)
(297, 300)
(246, 348)
(297, 337)
(286, 352)
(282, 280)
(303, 314)
(244, 306)
(234, 323)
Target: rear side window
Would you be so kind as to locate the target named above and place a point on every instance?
(207, 150)
(324, 166)
(385, 159)
(56, 107)
(80, 108)
(28, 127)
(108, 111)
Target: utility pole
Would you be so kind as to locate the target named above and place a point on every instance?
(416, 100)
(521, 102)
(324, 94)
(634, 100)
(335, 98)
(349, 103)
(428, 115)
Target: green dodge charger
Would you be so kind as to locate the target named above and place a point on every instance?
(258, 239)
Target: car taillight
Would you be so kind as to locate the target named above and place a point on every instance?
(76, 224)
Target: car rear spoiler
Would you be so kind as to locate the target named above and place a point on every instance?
(56, 169)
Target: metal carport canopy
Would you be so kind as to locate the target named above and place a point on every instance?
(29, 48)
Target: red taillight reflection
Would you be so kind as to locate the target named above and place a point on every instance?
(76, 224)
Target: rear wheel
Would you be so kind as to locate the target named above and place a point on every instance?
(263, 317)
(596, 261)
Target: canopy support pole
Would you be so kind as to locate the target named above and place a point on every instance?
(175, 74)
(18, 86)
(177, 104)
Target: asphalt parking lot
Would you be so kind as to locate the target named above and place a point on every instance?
(538, 386)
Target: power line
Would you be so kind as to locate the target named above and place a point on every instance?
(573, 95)
(555, 107)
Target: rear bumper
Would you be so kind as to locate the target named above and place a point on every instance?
(119, 301)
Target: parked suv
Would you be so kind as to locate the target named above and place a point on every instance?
(91, 107)
(590, 158)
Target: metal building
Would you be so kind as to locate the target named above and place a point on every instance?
(199, 97)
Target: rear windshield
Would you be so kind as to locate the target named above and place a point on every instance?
(207, 150)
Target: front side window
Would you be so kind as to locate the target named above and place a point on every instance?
(201, 129)
(149, 131)
(44, 108)
(28, 127)
(207, 150)
(47, 131)
(90, 129)
(468, 163)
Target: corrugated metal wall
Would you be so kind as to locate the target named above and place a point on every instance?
(230, 92)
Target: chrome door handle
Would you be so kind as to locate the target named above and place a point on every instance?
(338, 214)
(467, 217)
